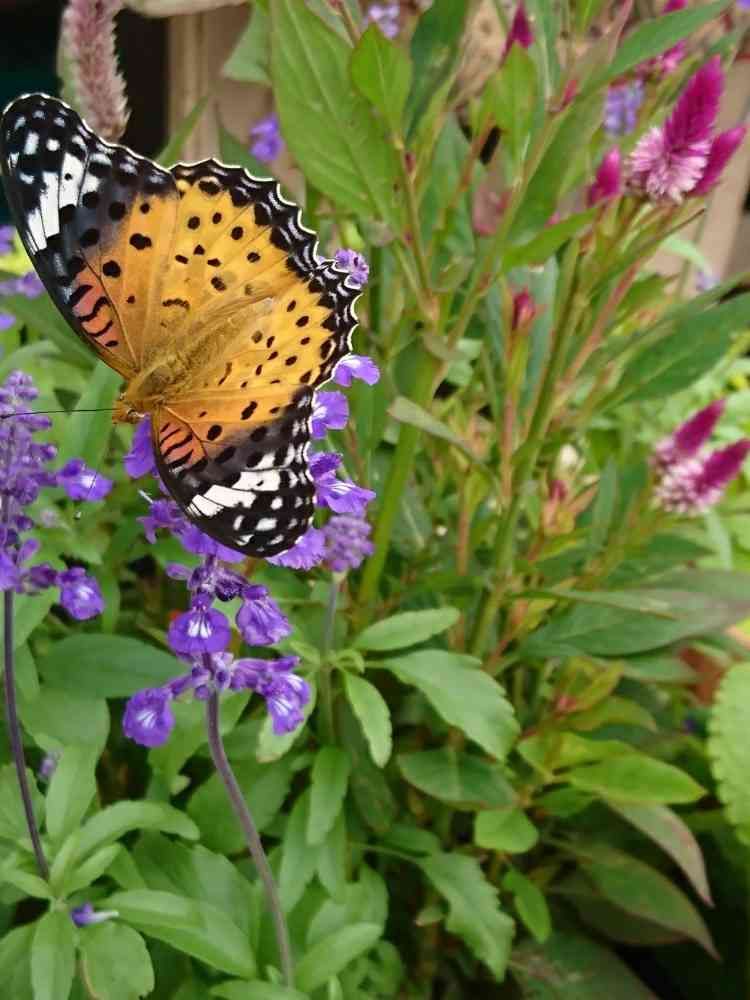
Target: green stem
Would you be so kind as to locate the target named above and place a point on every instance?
(324, 679)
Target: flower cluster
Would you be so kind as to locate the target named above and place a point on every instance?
(266, 140)
(24, 472)
(690, 479)
(682, 156)
(622, 106)
(385, 16)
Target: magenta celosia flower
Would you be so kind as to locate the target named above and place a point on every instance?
(689, 437)
(608, 180)
(696, 484)
(88, 41)
(520, 32)
(524, 309)
(671, 159)
(723, 148)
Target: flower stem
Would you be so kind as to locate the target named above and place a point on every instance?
(14, 733)
(324, 678)
(252, 836)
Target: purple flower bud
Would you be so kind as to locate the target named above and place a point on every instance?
(199, 630)
(260, 619)
(355, 366)
(161, 514)
(723, 148)
(330, 412)
(148, 717)
(6, 321)
(608, 181)
(268, 143)
(385, 16)
(80, 594)
(705, 281)
(524, 309)
(84, 915)
(307, 551)
(140, 459)
(10, 573)
(48, 766)
(347, 542)
(82, 483)
(355, 264)
(520, 32)
(286, 694)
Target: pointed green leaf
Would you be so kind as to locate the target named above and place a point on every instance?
(71, 790)
(729, 749)
(117, 962)
(408, 628)
(636, 778)
(333, 953)
(373, 714)
(53, 956)
(530, 903)
(381, 72)
(464, 780)
(330, 774)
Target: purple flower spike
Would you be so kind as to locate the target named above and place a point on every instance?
(355, 366)
(689, 437)
(267, 142)
(260, 619)
(82, 483)
(307, 551)
(148, 717)
(330, 412)
(385, 16)
(697, 484)
(6, 239)
(161, 514)
(347, 542)
(608, 181)
(342, 496)
(621, 107)
(199, 630)
(286, 694)
(80, 594)
(521, 32)
(355, 264)
(723, 148)
(84, 915)
(140, 459)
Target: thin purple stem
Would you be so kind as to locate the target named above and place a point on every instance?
(14, 732)
(252, 836)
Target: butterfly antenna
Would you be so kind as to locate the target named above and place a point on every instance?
(34, 413)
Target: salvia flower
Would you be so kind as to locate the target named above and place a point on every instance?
(698, 483)
(608, 180)
(88, 41)
(6, 239)
(266, 141)
(308, 551)
(29, 285)
(689, 437)
(355, 366)
(385, 16)
(24, 472)
(330, 412)
(347, 542)
(520, 32)
(48, 765)
(85, 915)
(82, 483)
(355, 264)
(6, 321)
(622, 106)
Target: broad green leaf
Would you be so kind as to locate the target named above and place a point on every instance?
(466, 781)
(381, 72)
(105, 666)
(463, 694)
(256, 990)
(538, 250)
(117, 962)
(408, 412)
(248, 62)
(298, 859)
(115, 820)
(197, 928)
(53, 956)
(15, 969)
(406, 629)
(30, 885)
(512, 97)
(662, 825)
(57, 719)
(12, 817)
(29, 611)
(663, 669)
(173, 150)
(473, 910)
(71, 790)
(92, 868)
(644, 892)
(315, 101)
(329, 777)
(530, 903)
(635, 778)
(370, 789)
(373, 714)
(41, 315)
(435, 50)
(333, 953)
(333, 859)
(506, 830)
(728, 746)
(87, 438)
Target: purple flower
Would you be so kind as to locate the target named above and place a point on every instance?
(140, 459)
(341, 495)
(330, 412)
(6, 321)
(161, 514)
(621, 108)
(29, 285)
(669, 161)
(521, 32)
(80, 594)
(148, 717)
(285, 692)
(723, 148)
(82, 483)
(48, 766)
(608, 181)
(385, 16)
(260, 619)
(347, 542)
(355, 366)
(84, 915)
(307, 551)
(355, 264)
(200, 630)
(268, 143)
(696, 484)
(6, 239)
(705, 281)
(689, 437)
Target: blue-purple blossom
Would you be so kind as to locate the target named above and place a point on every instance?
(267, 142)
(82, 483)
(285, 692)
(6, 239)
(140, 460)
(330, 413)
(347, 542)
(355, 366)
(621, 107)
(342, 496)
(385, 16)
(355, 264)
(6, 321)
(148, 717)
(84, 915)
(200, 630)
(705, 281)
(308, 551)
(260, 620)
(29, 285)
(48, 765)
(80, 594)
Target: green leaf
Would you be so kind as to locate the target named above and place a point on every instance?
(333, 953)
(435, 50)
(15, 970)
(256, 990)
(381, 72)
(30, 885)
(643, 892)
(173, 150)
(636, 778)
(248, 62)
(87, 439)
(234, 151)
(71, 790)
(117, 962)
(473, 910)
(115, 820)
(29, 611)
(406, 629)
(315, 101)
(463, 694)
(512, 98)
(333, 859)
(728, 746)
(92, 868)
(538, 250)
(466, 781)
(506, 830)
(197, 928)
(105, 666)
(662, 825)
(12, 817)
(530, 903)
(58, 718)
(298, 859)
(41, 315)
(408, 412)
(53, 956)
(329, 778)
(653, 37)
(373, 714)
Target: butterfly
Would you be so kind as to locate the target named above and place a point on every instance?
(199, 285)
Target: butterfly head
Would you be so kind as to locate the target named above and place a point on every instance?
(125, 413)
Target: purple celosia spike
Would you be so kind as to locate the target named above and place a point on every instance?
(385, 16)
(723, 465)
(347, 542)
(355, 366)
(307, 551)
(608, 180)
(355, 264)
(723, 148)
(140, 459)
(330, 412)
(689, 437)
(84, 915)
(82, 483)
(148, 717)
(267, 142)
(520, 32)
(260, 620)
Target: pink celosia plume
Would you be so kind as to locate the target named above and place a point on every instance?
(608, 181)
(88, 40)
(723, 148)
(696, 484)
(689, 437)
(520, 32)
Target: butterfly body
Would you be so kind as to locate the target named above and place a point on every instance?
(199, 285)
